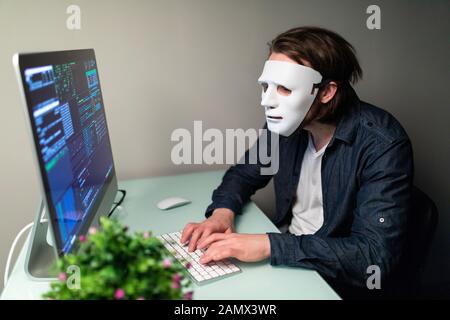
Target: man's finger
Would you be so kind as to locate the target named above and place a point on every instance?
(205, 259)
(187, 231)
(194, 238)
(220, 251)
(211, 239)
(206, 233)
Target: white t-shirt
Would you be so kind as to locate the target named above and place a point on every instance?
(307, 211)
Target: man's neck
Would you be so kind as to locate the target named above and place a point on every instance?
(321, 133)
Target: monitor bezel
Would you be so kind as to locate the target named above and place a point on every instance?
(107, 194)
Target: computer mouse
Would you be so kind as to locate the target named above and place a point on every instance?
(172, 202)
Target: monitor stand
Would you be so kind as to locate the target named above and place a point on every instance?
(40, 263)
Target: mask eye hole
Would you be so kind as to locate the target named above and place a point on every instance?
(264, 86)
(283, 90)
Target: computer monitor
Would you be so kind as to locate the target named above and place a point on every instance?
(65, 109)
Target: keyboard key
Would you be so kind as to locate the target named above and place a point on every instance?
(209, 269)
(198, 277)
(207, 276)
(195, 274)
(173, 238)
(213, 273)
(199, 269)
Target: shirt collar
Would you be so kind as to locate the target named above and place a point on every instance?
(348, 124)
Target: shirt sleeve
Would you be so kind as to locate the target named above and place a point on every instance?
(242, 180)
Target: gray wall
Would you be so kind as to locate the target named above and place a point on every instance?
(164, 64)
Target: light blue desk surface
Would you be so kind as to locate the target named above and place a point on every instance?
(139, 212)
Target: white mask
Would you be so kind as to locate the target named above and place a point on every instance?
(284, 114)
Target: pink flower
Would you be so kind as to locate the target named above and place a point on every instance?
(188, 265)
(167, 263)
(119, 294)
(62, 276)
(188, 295)
(175, 285)
(92, 230)
(177, 277)
(146, 235)
(82, 238)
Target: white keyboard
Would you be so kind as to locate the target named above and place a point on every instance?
(201, 273)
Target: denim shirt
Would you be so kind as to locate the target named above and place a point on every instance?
(367, 173)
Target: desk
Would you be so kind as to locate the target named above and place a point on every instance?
(256, 281)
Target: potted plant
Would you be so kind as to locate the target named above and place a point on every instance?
(113, 264)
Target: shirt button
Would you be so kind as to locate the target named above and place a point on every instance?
(381, 220)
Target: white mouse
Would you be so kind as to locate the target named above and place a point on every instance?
(172, 202)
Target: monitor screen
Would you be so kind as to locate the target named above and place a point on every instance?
(66, 111)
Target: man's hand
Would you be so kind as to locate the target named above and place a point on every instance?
(221, 221)
(244, 247)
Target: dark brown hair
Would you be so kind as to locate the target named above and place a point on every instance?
(328, 53)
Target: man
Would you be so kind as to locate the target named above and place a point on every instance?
(345, 170)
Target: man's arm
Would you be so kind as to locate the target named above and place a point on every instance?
(242, 180)
(238, 184)
(378, 229)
